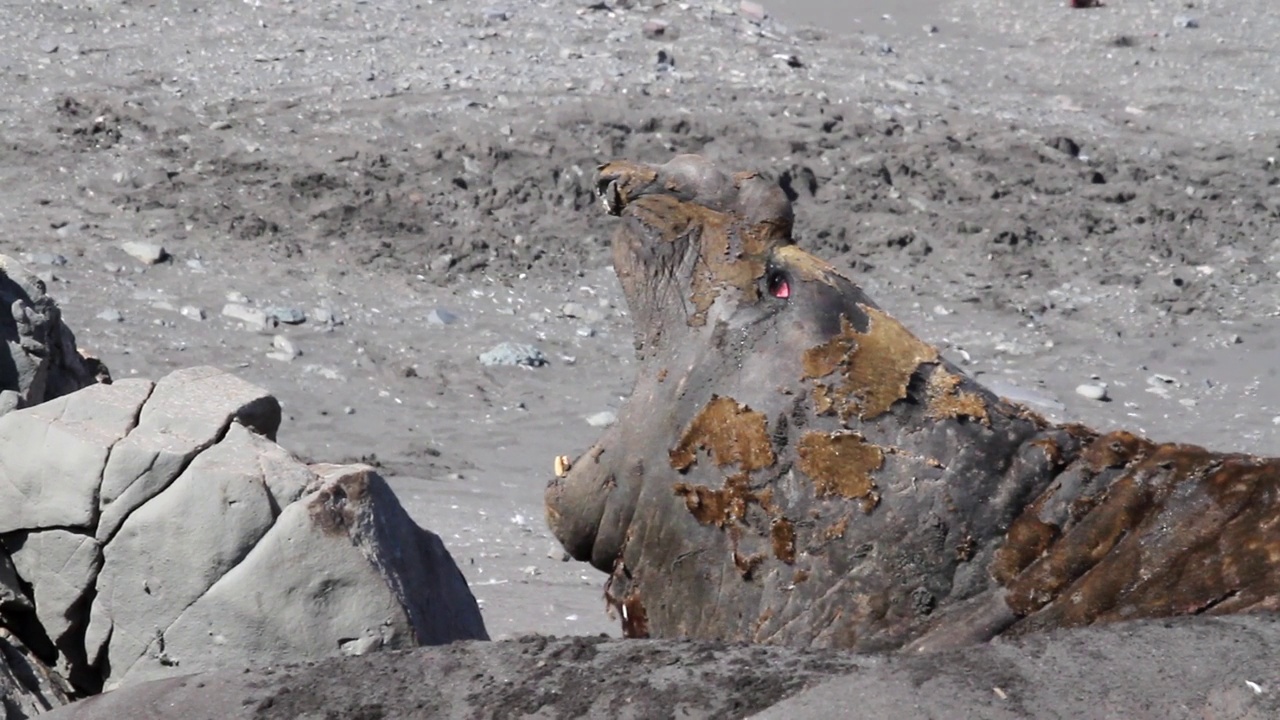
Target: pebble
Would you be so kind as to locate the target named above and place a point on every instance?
(655, 29)
(752, 11)
(145, 252)
(440, 316)
(573, 310)
(235, 296)
(287, 315)
(509, 353)
(285, 350)
(586, 332)
(666, 61)
(193, 312)
(44, 259)
(253, 318)
(1185, 21)
(602, 419)
(111, 315)
(326, 316)
(1091, 391)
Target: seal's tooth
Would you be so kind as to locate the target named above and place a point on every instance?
(562, 465)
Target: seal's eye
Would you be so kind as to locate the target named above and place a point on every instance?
(779, 286)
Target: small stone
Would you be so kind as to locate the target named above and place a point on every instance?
(235, 296)
(442, 263)
(509, 353)
(253, 318)
(348, 410)
(193, 312)
(326, 316)
(752, 11)
(666, 61)
(44, 259)
(1185, 21)
(49, 45)
(602, 419)
(145, 252)
(1091, 391)
(586, 332)
(557, 552)
(1188, 402)
(573, 310)
(111, 315)
(112, 268)
(440, 316)
(285, 350)
(1236, 340)
(497, 14)
(287, 315)
(195, 264)
(655, 29)
(220, 125)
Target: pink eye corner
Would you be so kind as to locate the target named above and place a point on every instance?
(778, 285)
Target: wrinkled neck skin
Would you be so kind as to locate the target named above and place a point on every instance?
(794, 466)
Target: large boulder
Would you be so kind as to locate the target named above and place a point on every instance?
(795, 466)
(40, 360)
(149, 530)
(1187, 669)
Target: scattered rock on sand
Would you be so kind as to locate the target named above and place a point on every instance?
(602, 419)
(509, 353)
(253, 318)
(287, 315)
(1092, 391)
(145, 252)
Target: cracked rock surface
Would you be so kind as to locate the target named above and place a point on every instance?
(153, 529)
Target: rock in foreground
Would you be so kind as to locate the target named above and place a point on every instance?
(156, 529)
(1128, 670)
(42, 359)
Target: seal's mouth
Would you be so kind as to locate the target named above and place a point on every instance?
(610, 196)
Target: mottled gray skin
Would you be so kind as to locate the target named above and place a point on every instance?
(793, 466)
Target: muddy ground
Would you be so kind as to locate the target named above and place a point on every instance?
(1056, 197)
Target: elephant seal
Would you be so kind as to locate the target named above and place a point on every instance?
(794, 466)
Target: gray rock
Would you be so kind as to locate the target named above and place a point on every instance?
(28, 687)
(343, 569)
(43, 362)
(1185, 21)
(602, 419)
(285, 349)
(192, 312)
(573, 310)
(1092, 391)
(509, 353)
(144, 252)
(186, 413)
(440, 316)
(111, 315)
(287, 315)
(60, 566)
(65, 443)
(171, 550)
(253, 318)
(40, 258)
(157, 529)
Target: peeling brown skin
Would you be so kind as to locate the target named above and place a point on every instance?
(795, 466)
